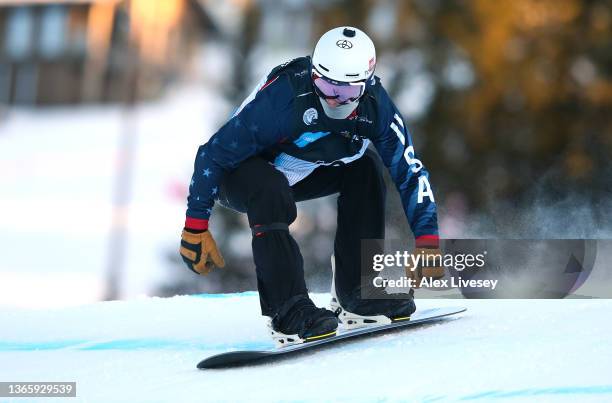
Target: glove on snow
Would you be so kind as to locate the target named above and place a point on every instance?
(199, 251)
(429, 266)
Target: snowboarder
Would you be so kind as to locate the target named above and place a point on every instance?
(304, 133)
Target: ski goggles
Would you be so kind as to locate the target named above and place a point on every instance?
(341, 92)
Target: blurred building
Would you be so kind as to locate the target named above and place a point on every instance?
(77, 51)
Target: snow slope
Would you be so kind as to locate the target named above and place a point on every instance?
(146, 350)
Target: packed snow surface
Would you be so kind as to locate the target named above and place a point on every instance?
(146, 350)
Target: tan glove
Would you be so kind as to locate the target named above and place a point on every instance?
(199, 252)
(433, 272)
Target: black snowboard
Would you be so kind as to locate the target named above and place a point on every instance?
(239, 358)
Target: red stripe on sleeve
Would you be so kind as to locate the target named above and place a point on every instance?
(196, 223)
(424, 241)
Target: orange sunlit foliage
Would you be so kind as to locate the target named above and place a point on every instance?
(520, 47)
(100, 27)
(516, 47)
(152, 24)
(546, 13)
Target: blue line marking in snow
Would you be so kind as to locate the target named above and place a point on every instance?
(24, 346)
(429, 399)
(139, 344)
(128, 344)
(532, 392)
(228, 295)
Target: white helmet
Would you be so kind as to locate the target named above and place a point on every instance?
(345, 54)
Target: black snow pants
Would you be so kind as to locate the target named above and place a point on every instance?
(258, 189)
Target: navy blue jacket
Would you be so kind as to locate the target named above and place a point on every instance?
(283, 121)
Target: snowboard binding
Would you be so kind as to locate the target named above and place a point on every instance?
(283, 340)
(394, 310)
(299, 320)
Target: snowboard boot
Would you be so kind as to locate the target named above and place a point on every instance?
(300, 321)
(355, 312)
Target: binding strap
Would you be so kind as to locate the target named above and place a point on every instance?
(260, 229)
